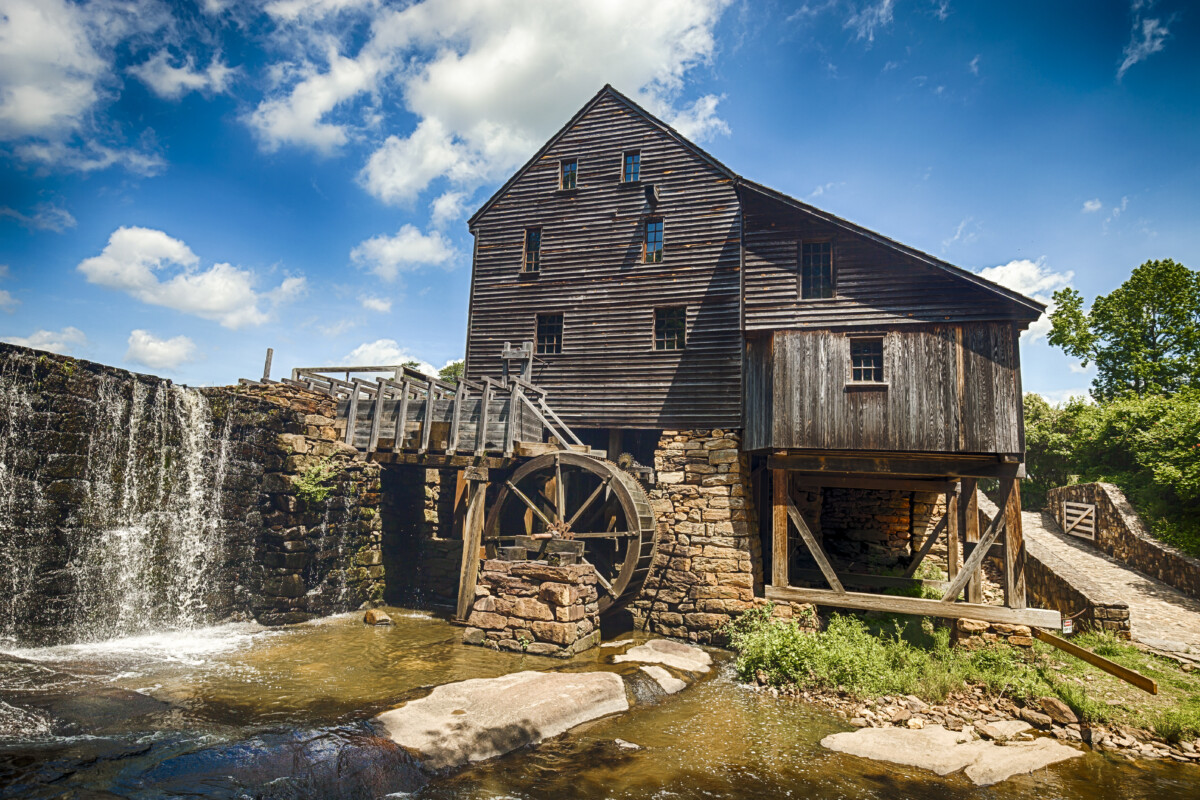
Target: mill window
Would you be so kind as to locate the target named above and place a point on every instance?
(632, 170)
(866, 360)
(549, 333)
(670, 328)
(533, 250)
(653, 251)
(568, 172)
(816, 270)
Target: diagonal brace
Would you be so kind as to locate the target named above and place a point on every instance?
(973, 563)
(814, 547)
(925, 548)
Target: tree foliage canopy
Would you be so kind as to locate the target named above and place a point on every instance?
(453, 371)
(1144, 337)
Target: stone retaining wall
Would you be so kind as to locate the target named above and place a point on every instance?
(1123, 534)
(532, 607)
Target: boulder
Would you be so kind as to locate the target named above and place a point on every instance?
(481, 718)
(668, 682)
(677, 655)
(376, 617)
(1003, 730)
(1058, 711)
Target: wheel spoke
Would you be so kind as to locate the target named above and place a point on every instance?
(600, 578)
(513, 487)
(560, 492)
(586, 503)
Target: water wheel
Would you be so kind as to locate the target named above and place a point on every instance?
(574, 496)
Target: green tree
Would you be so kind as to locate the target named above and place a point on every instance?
(453, 371)
(1144, 337)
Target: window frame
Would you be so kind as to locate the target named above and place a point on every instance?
(537, 332)
(562, 163)
(654, 338)
(662, 239)
(853, 380)
(833, 268)
(624, 155)
(537, 270)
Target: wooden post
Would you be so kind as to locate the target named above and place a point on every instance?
(376, 415)
(614, 444)
(779, 528)
(427, 427)
(968, 523)
(456, 418)
(401, 416)
(481, 431)
(1014, 548)
(472, 537)
(352, 415)
(267, 365)
(952, 535)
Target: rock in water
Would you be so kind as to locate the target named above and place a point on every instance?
(376, 617)
(677, 655)
(668, 682)
(484, 717)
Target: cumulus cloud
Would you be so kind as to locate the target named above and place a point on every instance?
(171, 82)
(372, 303)
(486, 82)
(1092, 206)
(1033, 279)
(134, 259)
(63, 342)
(8, 303)
(148, 350)
(868, 19)
(448, 207)
(408, 249)
(42, 217)
(383, 353)
(1149, 37)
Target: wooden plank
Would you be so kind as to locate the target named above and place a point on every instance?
(472, 536)
(456, 419)
(906, 465)
(376, 418)
(968, 525)
(971, 566)
(481, 430)
(1014, 551)
(934, 535)
(401, 416)
(352, 417)
(814, 546)
(510, 427)
(779, 527)
(866, 482)
(427, 423)
(1033, 617)
(953, 548)
(1111, 667)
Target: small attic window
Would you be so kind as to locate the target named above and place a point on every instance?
(652, 250)
(817, 275)
(568, 172)
(631, 170)
(532, 261)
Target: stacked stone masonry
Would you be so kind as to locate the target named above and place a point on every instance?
(533, 607)
(422, 546)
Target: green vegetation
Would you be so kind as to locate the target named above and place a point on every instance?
(893, 655)
(453, 371)
(316, 482)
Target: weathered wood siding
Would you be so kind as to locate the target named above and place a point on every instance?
(949, 389)
(875, 285)
(608, 374)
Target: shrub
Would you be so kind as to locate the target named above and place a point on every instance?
(315, 483)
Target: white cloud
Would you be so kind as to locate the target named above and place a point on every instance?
(974, 65)
(1115, 213)
(62, 342)
(1077, 368)
(148, 350)
(1033, 279)
(966, 232)
(943, 10)
(133, 257)
(448, 207)
(865, 21)
(409, 249)
(8, 303)
(43, 217)
(171, 82)
(380, 304)
(337, 328)
(1149, 37)
(823, 188)
(91, 156)
(487, 82)
(1091, 206)
(383, 353)
(1057, 397)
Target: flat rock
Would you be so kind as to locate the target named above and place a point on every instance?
(480, 718)
(1167, 645)
(618, 643)
(943, 752)
(677, 655)
(669, 683)
(1003, 730)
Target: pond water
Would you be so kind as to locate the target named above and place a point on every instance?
(244, 711)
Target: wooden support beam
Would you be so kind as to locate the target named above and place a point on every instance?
(899, 465)
(864, 482)
(779, 527)
(468, 574)
(510, 427)
(814, 546)
(1111, 667)
(953, 534)
(352, 416)
(401, 416)
(427, 423)
(456, 418)
(550, 413)
(968, 526)
(376, 417)
(481, 430)
(934, 535)
(1033, 617)
(971, 565)
(1014, 551)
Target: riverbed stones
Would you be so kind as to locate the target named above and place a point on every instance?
(374, 616)
(477, 719)
(668, 682)
(942, 751)
(1058, 711)
(676, 655)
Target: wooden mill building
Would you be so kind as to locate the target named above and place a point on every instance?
(817, 401)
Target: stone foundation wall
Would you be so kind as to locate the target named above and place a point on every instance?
(866, 530)
(974, 633)
(1123, 534)
(709, 565)
(532, 607)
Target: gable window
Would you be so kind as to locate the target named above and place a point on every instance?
(549, 333)
(653, 250)
(568, 172)
(670, 328)
(533, 250)
(631, 171)
(866, 360)
(816, 270)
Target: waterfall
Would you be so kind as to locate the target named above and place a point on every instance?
(140, 544)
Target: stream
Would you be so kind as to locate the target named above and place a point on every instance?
(239, 710)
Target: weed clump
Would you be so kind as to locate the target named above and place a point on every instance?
(316, 482)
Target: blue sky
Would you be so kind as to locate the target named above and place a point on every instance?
(183, 185)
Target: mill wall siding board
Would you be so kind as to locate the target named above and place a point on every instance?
(811, 405)
(608, 374)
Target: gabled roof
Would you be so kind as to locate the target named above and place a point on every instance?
(1033, 306)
